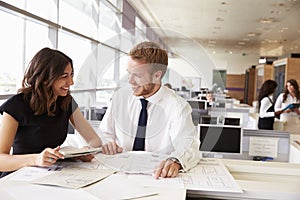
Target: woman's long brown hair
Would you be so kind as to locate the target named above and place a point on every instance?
(45, 67)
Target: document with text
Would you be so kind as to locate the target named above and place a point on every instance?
(70, 152)
(132, 161)
(74, 177)
(208, 175)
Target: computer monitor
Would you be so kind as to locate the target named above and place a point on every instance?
(234, 121)
(207, 119)
(220, 139)
(198, 104)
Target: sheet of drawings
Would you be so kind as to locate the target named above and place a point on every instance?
(74, 177)
(63, 173)
(208, 175)
(132, 161)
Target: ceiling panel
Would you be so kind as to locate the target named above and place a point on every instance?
(252, 27)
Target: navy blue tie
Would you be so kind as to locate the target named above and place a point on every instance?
(139, 141)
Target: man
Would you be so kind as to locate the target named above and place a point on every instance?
(169, 128)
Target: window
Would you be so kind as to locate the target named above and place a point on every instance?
(11, 51)
(80, 16)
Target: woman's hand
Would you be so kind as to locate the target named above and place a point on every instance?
(48, 157)
(85, 158)
(296, 110)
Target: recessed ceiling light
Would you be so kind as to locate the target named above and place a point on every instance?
(241, 43)
(272, 41)
(251, 34)
(267, 20)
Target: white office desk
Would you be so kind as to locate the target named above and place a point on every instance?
(295, 148)
(260, 180)
(116, 185)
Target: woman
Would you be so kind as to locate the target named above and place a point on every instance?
(266, 105)
(291, 95)
(35, 121)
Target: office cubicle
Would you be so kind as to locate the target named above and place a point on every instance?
(283, 145)
(242, 113)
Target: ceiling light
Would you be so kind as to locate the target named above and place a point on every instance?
(262, 60)
(242, 43)
(251, 34)
(267, 20)
(272, 41)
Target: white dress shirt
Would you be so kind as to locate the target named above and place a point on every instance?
(265, 104)
(170, 129)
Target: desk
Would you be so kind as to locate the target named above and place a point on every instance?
(259, 180)
(295, 149)
(13, 187)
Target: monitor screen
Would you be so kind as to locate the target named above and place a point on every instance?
(198, 104)
(232, 121)
(220, 138)
(207, 119)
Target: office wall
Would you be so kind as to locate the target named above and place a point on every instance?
(235, 84)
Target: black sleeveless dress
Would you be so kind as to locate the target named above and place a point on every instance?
(36, 132)
(267, 122)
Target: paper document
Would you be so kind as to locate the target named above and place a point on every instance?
(69, 151)
(120, 187)
(74, 178)
(208, 175)
(263, 146)
(132, 161)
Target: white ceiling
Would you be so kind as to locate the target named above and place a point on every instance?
(235, 27)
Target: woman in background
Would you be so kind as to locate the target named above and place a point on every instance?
(290, 117)
(266, 105)
(35, 121)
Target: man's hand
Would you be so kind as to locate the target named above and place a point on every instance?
(167, 169)
(111, 148)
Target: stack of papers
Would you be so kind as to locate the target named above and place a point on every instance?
(70, 152)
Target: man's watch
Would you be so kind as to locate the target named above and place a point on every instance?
(175, 160)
